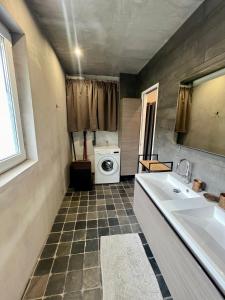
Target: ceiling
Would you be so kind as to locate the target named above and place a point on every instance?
(115, 35)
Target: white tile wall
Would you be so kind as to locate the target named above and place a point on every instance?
(102, 138)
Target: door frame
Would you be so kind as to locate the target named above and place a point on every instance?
(143, 117)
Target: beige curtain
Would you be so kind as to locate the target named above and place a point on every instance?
(183, 109)
(92, 105)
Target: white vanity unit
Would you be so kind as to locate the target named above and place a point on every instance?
(186, 234)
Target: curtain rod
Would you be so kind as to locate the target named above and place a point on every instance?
(94, 77)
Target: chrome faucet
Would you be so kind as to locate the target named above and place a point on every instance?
(187, 174)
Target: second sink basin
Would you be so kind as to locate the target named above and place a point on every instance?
(206, 226)
(208, 223)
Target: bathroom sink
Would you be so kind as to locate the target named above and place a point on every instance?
(206, 230)
(165, 186)
(206, 223)
(198, 222)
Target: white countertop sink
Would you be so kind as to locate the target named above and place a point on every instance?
(199, 223)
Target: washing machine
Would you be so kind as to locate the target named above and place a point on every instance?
(107, 164)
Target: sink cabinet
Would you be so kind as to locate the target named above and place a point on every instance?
(184, 276)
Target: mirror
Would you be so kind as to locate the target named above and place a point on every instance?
(200, 119)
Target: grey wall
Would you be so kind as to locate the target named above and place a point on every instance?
(197, 48)
(29, 202)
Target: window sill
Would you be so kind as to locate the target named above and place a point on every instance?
(12, 174)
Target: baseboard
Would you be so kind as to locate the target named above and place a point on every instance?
(126, 177)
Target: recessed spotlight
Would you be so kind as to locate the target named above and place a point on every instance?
(78, 51)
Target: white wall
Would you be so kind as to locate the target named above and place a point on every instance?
(28, 203)
(102, 138)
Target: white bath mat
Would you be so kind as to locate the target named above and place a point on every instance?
(126, 271)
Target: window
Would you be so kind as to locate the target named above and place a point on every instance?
(12, 150)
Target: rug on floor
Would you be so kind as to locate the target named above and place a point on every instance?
(126, 272)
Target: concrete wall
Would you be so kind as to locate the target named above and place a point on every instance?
(29, 202)
(196, 49)
(128, 85)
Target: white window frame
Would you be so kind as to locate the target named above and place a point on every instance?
(12, 161)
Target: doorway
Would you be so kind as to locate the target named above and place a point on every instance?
(148, 121)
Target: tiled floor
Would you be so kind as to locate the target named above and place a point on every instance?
(69, 266)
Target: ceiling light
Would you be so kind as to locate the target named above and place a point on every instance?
(78, 52)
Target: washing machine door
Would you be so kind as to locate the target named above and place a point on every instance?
(107, 165)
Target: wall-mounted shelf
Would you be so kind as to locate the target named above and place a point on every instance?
(154, 165)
